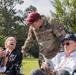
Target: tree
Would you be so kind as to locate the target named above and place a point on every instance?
(29, 10)
(12, 22)
(9, 18)
(34, 51)
(2, 38)
(65, 13)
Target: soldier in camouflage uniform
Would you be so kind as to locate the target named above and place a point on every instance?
(47, 31)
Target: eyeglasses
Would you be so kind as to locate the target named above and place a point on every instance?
(67, 43)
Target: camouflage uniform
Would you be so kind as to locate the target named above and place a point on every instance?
(48, 37)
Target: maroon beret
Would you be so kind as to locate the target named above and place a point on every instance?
(32, 17)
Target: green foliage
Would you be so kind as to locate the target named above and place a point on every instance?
(2, 37)
(30, 9)
(65, 13)
(13, 21)
(34, 51)
(9, 19)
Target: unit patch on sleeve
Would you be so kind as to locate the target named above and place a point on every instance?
(60, 28)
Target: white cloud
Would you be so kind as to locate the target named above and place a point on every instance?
(43, 6)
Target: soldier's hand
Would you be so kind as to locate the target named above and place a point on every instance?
(23, 53)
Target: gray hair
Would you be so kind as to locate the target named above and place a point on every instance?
(9, 39)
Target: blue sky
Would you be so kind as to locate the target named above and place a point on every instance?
(43, 6)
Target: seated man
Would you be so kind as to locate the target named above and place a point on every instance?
(64, 62)
(12, 57)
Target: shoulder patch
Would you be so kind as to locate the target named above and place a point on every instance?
(60, 28)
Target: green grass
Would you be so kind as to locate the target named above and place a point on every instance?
(29, 64)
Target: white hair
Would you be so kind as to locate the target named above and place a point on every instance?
(9, 39)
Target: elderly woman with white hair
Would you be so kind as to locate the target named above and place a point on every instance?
(11, 57)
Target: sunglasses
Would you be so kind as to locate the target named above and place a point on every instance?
(67, 44)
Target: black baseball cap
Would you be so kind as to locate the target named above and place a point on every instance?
(69, 37)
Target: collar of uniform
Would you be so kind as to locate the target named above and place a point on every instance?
(44, 25)
(9, 51)
(45, 22)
